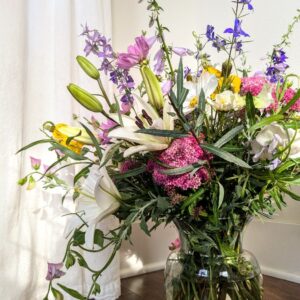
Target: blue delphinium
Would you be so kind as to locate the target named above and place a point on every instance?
(237, 30)
(248, 2)
(276, 70)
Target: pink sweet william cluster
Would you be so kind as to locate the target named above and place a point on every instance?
(181, 153)
(255, 84)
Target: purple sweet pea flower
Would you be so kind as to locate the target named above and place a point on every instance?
(274, 164)
(54, 271)
(248, 2)
(35, 163)
(237, 31)
(135, 54)
(166, 87)
(126, 107)
(180, 51)
(159, 62)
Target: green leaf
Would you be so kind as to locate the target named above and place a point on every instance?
(163, 133)
(110, 154)
(57, 294)
(67, 151)
(34, 144)
(191, 199)
(201, 101)
(289, 192)
(163, 203)
(288, 105)
(131, 173)
(228, 136)
(183, 170)
(22, 181)
(144, 226)
(225, 155)
(82, 173)
(179, 78)
(250, 109)
(221, 194)
(94, 140)
(99, 238)
(266, 121)
(97, 289)
(182, 96)
(78, 237)
(81, 261)
(70, 261)
(71, 292)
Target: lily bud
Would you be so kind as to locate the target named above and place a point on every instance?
(88, 67)
(226, 68)
(87, 100)
(153, 88)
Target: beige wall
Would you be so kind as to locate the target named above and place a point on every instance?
(275, 243)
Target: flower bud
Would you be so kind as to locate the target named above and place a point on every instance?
(88, 67)
(87, 100)
(153, 88)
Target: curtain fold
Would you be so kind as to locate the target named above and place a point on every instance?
(38, 45)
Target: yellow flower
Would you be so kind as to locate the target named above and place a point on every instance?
(214, 71)
(233, 82)
(61, 138)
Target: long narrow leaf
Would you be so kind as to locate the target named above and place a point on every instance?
(250, 109)
(179, 78)
(34, 144)
(267, 121)
(225, 155)
(183, 170)
(228, 136)
(163, 133)
(71, 292)
(94, 140)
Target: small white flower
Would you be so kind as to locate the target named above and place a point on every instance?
(206, 82)
(227, 101)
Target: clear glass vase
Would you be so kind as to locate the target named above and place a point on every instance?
(199, 273)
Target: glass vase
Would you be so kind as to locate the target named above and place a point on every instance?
(217, 270)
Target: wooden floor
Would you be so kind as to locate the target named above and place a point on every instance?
(150, 287)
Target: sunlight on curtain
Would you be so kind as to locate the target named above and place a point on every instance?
(38, 45)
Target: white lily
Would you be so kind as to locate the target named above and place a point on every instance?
(146, 142)
(99, 198)
(207, 82)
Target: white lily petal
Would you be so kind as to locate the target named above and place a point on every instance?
(141, 104)
(168, 121)
(129, 134)
(149, 147)
(127, 121)
(208, 82)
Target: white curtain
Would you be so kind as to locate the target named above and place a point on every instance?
(39, 41)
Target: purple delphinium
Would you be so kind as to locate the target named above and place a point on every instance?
(248, 2)
(239, 47)
(187, 71)
(219, 43)
(237, 30)
(210, 33)
(278, 67)
(54, 271)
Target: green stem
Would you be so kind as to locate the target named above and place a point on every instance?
(103, 92)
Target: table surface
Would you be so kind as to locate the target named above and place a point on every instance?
(150, 287)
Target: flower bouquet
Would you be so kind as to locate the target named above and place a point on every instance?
(204, 147)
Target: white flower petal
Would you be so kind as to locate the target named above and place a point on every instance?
(149, 147)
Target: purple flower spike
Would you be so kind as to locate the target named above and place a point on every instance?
(135, 54)
(237, 31)
(218, 43)
(54, 271)
(180, 51)
(35, 163)
(248, 2)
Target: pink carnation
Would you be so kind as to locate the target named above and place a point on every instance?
(288, 96)
(182, 152)
(253, 85)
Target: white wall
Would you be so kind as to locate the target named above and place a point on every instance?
(277, 242)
